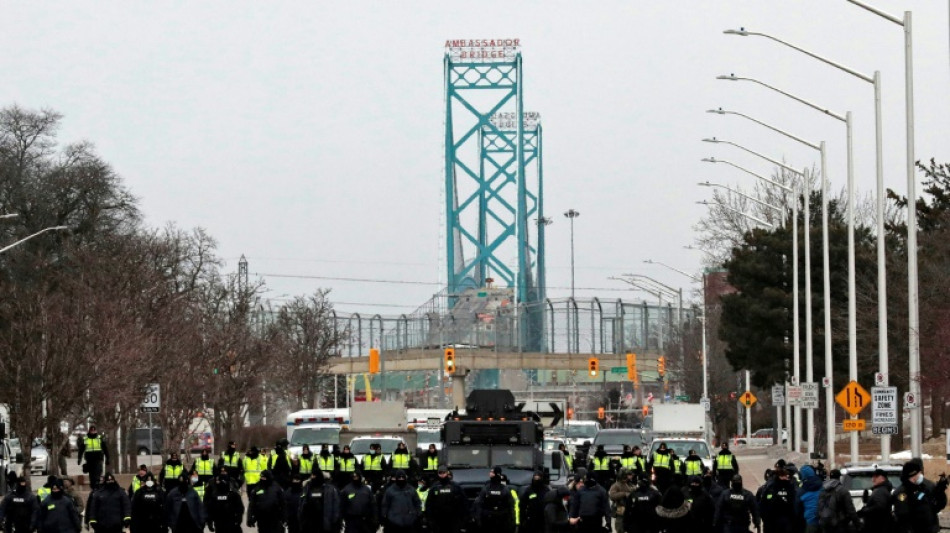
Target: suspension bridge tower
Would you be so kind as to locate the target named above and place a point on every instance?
(494, 201)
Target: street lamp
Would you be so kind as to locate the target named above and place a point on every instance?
(753, 218)
(913, 318)
(738, 193)
(796, 339)
(875, 80)
(24, 239)
(572, 214)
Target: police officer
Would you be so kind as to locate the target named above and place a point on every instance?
(779, 506)
(292, 498)
(662, 466)
(693, 465)
(44, 491)
(306, 460)
(170, 472)
(531, 502)
(876, 512)
(568, 460)
(224, 506)
(279, 463)
(401, 459)
(203, 466)
(627, 459)
(18, 507)
(495, 507)
(589, 508)
(736, 509)
(346, 467)
(266, 505)
(148, 507)
(639, 462)
(251, 467)
(184, 511)
(702, 508)
(401, 506)
(93, 448)
(57, 514)
(600, 467)
(430, 464)
(725, 465)
(109, 509)
(320, 506)
(446, 508)
(230, 459)
(358, 506)
(139, 480)
(374, 466)
(918, 500)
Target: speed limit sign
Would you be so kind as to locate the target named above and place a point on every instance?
(153, 398)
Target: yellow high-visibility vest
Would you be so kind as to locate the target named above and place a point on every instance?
(204, 467)
(661, 460)
(601, 463)
(306, 465)
(432, 463)
(401, 460)
(629, 463)
(252, 470)
(93, 444)
(373, 463)
(694, 468)
(724, 462)
(327, 464)
(173, 471)
(348, 465)
(232, 460)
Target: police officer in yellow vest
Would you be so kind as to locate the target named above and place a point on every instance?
(568, 460)
(725, 466)
(306, 460)
(168, 476)
(639, 463)
(662, 466)
(203, 467)
(374, 466)
(230, 459)
(252, 465)
(401, 459)
(600, 467)
(138, 481)
(430, 464)
(94, 448)
(693, 465)
(47, 489)
(627, 459)
(346, 467)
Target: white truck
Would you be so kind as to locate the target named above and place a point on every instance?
(315, 427)
(679, 420)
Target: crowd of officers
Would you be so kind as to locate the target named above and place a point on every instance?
(332, 492)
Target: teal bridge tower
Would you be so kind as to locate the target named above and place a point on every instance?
(494, 202)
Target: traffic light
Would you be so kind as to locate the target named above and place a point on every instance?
(374, 361)
(600, 413)
(661, 366)
(646, 410)
(450, 360)
(592, 367)
(570, 413)
(632, 368)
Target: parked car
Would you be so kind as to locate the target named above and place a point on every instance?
(762, 437)
(39, 456)
(140, 442)
(359, 446)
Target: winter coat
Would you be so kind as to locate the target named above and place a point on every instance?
(109, 507)
(843, 506)
(446, 504)
(808, 495)
(148, 510)
(57, 515)
(640, 510)
(19, 507)
(555, 513)
(916, 506)
(618, 493)
(401, 506)
(876, 512)
(188, 497)
(734, 510)
(266, 505)
(320, 502)
(779, 507)
(591, 501)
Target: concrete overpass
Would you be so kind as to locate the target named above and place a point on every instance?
(487, 359)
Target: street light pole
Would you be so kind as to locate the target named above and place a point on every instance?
(913, 318)
(38, 233)
(572, 214)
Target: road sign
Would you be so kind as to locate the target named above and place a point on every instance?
(682, 398)
(618, 370)
(778, 395)
(705, 403)
(856, 424)
(884, 430)
(794, 394)
(747, 399)
(153, 398)
(853, 398)
(550, 410)
(810, 395)
(884, 406)
(910, 401)
(880, 380)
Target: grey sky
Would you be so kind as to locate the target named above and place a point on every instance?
(308, 135)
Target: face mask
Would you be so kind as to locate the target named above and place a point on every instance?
(150, 483)
(737, 486)
(919, 479)
(194, 480)
(401, 482)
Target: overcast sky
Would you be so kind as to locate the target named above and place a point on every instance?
(308, 135)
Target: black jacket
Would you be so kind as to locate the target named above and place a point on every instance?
(556, 519)
(266, 505)
(876, 512)
(57, 515)
(320, 502)
(148, 508)
(494, 503)
(292, 498)
(446, 503)
(224, 508)
(639, 515)
(358, 501)
(401, 506)
(109, 507)
(780, 506)
(734, 511)
(531, 504)
(19, 507)
(590, 502)
(916, 506)
(702, 507)
(188, 497)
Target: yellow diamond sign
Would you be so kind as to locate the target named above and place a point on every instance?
(853, 398)
(747, 399)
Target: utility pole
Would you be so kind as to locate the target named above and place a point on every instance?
(572, 214)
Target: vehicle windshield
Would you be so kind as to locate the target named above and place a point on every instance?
(549, 463)
(361, 446)
(581, 431)
(468, 457)
(313, 436)
(609, 439)
(681, 449)
(15, 445)
(513, 457)
(862, 480)
(552, 444)
(424, 438)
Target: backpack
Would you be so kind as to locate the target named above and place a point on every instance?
(828, 509)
